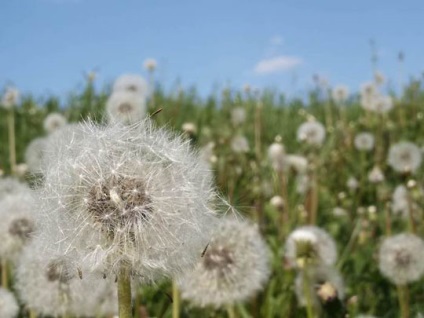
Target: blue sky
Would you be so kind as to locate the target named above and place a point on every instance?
(47, 45)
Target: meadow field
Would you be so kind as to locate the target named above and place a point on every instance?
(308, 207)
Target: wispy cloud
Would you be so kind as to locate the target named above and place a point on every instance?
(277, 64)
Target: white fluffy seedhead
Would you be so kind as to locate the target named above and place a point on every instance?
(52, 285)
(324, 284)
(234, 266)
(376, 175)
(128, 196)
(11, 186)
(401, 258)
(34, 154)
(404, 157)
(17, 224)
(238, 116)
(53, 122)
(150, 64)
(126, 107)
(10, 98)
(8, 305)
(364, 141)
(310, 245)
(277, 156)
(401, 201)
(340, 94)
(297, 163)
(131, 83)
(312, 133)
(239, 144)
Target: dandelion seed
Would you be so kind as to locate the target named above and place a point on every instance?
(235, 267)
(404, 157)
(311, 132)
(310, 245)
(53, 122)
(401, 258)
(352, 183)
(364, 141)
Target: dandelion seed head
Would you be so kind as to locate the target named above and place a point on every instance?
(8, 305)
(238, 116)
(150, 64)
(297, 163)
(310, 245)
(401, 258)
(239, 144)
(17, 225)
(10, 98)
(277, 155)
(189, 128)
(34, 154)
(11, 186)
(340, 94)
(126, 107)
(131, 83)
(364, 141)
(277, 202)
(234, 266)
(129, 195)
(404, 157)
(325, 284)
(376, 175)
(53, 122)
(352, 183)
(312, 133)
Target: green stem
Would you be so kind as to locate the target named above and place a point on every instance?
(12, 143)
(307, 292)
(32, 314)
(124, 294)
(4, 275)
(350, 244)
(175, 301)
(231, 311)
(403, 297)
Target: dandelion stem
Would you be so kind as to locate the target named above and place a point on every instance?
(350, 244)
(258, 128)
(307, 292)
(124, 294)
(32, 314)
(314, 199)
(4, 274)
(12, 143)
(231, 311)
(175, 301)
(403, 296)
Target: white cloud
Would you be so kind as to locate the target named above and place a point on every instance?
(277, 64)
